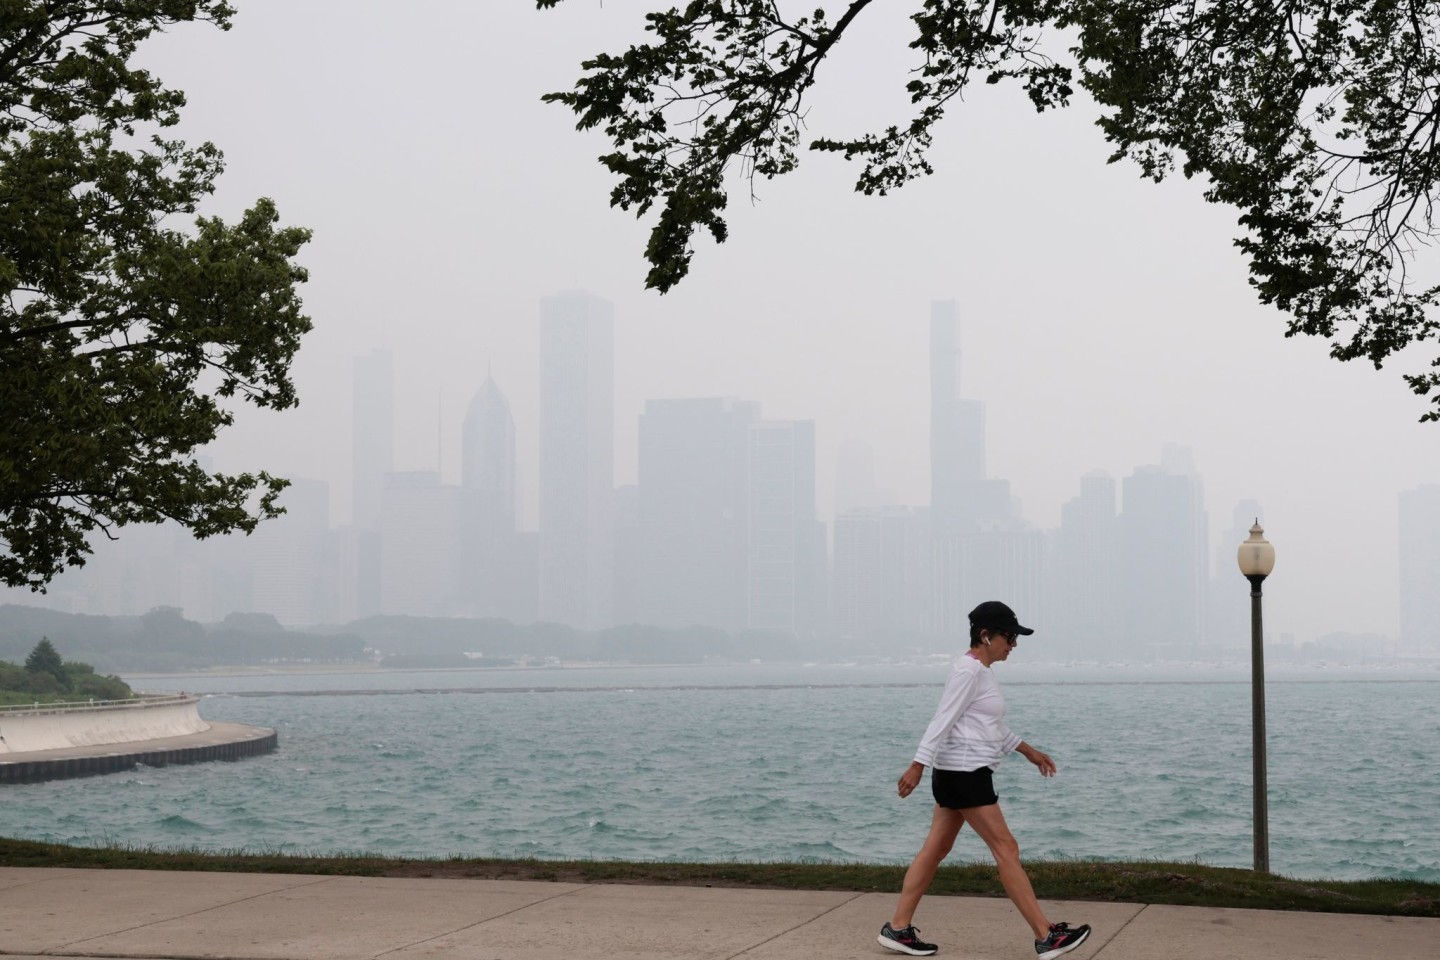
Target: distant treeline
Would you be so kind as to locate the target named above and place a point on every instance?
(408, 640)
(163, 640)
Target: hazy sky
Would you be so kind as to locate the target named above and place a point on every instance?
(1102, 315)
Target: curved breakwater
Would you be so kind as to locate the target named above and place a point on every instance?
(61, 726)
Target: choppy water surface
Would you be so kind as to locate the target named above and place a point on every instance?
(777, 764)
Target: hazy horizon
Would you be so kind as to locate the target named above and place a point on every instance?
(1101, 315)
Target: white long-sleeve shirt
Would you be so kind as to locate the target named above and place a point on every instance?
(968, 730)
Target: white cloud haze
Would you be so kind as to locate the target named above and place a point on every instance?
(1102, 315)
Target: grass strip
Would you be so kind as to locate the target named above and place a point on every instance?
(1151, 882)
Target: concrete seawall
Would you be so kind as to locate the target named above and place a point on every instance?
(101, 724)
(77, 740)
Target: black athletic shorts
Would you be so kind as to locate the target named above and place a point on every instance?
(959, 789)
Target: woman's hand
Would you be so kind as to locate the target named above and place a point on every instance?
(1040, 758)
(910, 779)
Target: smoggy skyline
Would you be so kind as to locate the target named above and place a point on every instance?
(1101, 316)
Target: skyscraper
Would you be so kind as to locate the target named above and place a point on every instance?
(1087, 544)
(1227, 620)
(491, 582)
(1420, 570)
(577, 459)
(420, 541)
(981, 550)
(957, 428)
(287, 557)
(692, 515)
(487, 458)
(372, 451)
(1162, 522)
(786, 542)
(882, 573)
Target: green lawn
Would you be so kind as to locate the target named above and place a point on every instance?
(1185, 884)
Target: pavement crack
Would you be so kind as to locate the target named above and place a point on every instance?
(59, 951)
(802, 923)
(479, 923)
(1123, 927)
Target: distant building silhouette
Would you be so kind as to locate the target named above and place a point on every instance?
(1227, 623)
(289, 576)
(855, 485)
(882, 573)
(1086, 607)
(957, 432)
(420, 546)
(372, 449)
(1001, 562)
(981, 549)
(1166, 559)
(372, 457)
(625, 592)
(494, 579)
(487, 458)
(691, 512)
(577, 460)
(1419, 511)
(786, 542)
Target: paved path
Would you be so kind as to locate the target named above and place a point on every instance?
(158, 914)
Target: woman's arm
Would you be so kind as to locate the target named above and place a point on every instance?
(1037, 757)
(910, 779)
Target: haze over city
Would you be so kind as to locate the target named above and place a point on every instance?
(1101, 316)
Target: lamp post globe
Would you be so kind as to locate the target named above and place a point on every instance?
(1256, 558)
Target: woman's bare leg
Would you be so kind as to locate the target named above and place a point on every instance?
(990, 824)
(944, 827)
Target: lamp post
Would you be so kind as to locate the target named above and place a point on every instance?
(1257, 558)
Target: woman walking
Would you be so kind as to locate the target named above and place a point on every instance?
(963, 745)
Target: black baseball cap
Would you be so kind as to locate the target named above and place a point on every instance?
(994, 615)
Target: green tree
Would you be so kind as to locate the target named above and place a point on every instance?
(125, 335)
(45, 659)
(1317, 121)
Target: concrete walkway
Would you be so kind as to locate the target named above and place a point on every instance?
(155, 914)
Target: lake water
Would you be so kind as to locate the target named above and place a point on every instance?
(781, 763)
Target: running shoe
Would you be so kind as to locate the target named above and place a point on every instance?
(1061, 940)
(905, 940)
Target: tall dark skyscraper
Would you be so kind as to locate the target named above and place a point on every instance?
(487, 508)
(577, 459)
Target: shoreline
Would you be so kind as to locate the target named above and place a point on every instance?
(1278, 671)
(1151, 882)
